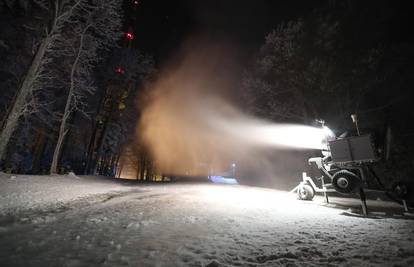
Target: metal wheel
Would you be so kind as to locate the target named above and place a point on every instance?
(306, 192)
(346, 182)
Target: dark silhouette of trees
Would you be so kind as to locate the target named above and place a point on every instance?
(117, 111)
(304, 71)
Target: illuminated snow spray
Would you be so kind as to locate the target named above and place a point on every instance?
(279, 136)
(286, 136)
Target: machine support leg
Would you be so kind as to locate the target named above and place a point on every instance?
(294, 189)
(363, 201)
(326, 197)
(325, 194)
(405, 205)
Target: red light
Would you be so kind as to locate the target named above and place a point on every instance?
(136, 2)
(130, 36)
(120, 70)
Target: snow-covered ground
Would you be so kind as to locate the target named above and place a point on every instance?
(106, 223)
(44, 192)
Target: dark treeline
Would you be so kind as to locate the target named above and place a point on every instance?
(68, 83)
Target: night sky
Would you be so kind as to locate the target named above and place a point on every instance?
(161, 26)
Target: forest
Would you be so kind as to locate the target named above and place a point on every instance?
(69, 84)
(72, 82)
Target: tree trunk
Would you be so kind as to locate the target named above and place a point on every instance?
(104, 169)
(92, 141)
(56, 154)
(91, 148)
(119, 170)
(142, 168)
(38, 151)
(21, 100)
(100, 147)
(116, 163)
(8, 111)
(68, 108)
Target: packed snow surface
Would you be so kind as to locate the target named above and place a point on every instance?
(102, 222)
(38, 192)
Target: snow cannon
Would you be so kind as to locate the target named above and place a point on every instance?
(346, 168)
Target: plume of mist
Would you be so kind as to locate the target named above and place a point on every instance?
(190, 125)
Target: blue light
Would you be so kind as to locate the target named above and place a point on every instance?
(223, 180)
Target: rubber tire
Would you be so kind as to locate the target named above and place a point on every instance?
(306, 192)
(400, 190)
(354, 182)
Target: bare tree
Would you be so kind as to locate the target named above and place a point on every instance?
(24, 102)
(49, 48)
(94, 27)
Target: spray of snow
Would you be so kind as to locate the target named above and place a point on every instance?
(189, 120)
(281, 136)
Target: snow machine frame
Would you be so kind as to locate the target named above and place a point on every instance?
(346, 169)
